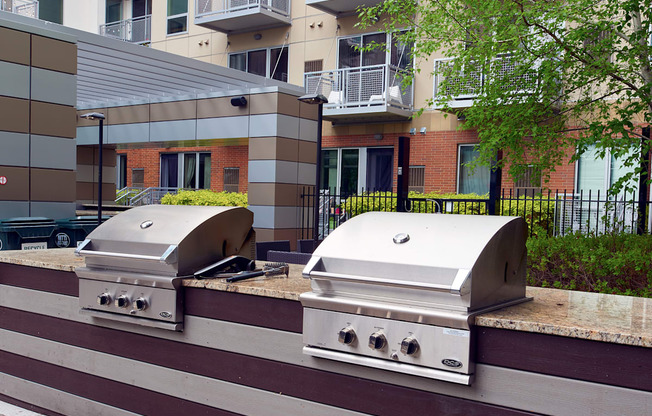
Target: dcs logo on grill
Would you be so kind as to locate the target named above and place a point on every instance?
(449, 362)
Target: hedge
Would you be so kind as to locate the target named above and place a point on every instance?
(206, 197)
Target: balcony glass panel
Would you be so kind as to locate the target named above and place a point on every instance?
(136, 30)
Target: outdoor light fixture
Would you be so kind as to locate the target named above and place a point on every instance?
(238, 101)
(423, 130)
(413, 130)
(319, 100)
(258, 36)
(101, 117)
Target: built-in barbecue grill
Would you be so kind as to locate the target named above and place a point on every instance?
(399, 291)
(135, 261)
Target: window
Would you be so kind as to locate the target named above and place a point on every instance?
(51, 10)
(529, 183)
(113, 11)
(269, 63)
(186, 170)
(121, 171)
(177, 16)
(350, 56)
(417, 179)
(231, 179)
(470, 181)
(349, 171)
(141, 8)
(599, 174)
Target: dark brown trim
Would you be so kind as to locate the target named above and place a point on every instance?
(123, 396)
(372, 397)
(594, 361)
(46, 280)
(28, 406)
(281, 314)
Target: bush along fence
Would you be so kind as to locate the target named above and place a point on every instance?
(547, 213)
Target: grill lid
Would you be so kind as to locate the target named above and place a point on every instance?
(458, 261)
(168, 239)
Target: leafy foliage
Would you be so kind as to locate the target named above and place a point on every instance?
(206, 197)
(546, 75)
(608, 263)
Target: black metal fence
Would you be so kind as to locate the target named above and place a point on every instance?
(547, 213)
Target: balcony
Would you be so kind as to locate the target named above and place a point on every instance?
(363, 94)
(234, 16)
(338, 7)
(27, 8)
(136, 30)
(467, 85)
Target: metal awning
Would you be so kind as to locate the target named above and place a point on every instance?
(112, 73)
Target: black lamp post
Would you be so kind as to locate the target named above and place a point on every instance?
(101, 117)
(319, 100)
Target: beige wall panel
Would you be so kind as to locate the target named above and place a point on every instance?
(85, 191)
(197, 46)
(14, 115)
(53, 120)
(176, 110)
(127, 115)
(279, 194)
(270, 38)
(220, 107)
(85, 173)
(327, 31)
(271, 148)
(53, 185)
(309, 111)
(17, 186)
(14, 46)
(288, 105)
(83, 122)
(219, 44)
(307, 152)
(85, 155)
(54, 54)
(178, 45)
(263, 103)
(292, 234)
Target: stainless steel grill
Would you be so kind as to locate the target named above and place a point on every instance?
(400, 291)
(136, 260)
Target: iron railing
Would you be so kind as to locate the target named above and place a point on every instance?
(365, 86)
(27, 8)
(547, 213)
(136, 30)
(204, 8)
(136, 196)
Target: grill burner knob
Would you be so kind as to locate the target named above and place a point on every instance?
(122, 301)
(346, 336)
(140, 304)
(104, 299)
(377, 341)
(409, 346)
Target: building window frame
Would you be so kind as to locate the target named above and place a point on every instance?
(201, 172)
(270, 65)
(389, 40)
(362, 179)
(484, 170)
(178, 17)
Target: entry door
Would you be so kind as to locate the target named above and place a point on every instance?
(380, 163)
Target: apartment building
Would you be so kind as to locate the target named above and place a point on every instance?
(309, 43)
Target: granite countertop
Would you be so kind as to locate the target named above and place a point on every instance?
(608, 318)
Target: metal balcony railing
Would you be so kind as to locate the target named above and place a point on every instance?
(466, 85)
(365, 86)
(27, 8)
(136, 30)
(204, 8)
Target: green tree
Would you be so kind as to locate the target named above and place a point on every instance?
(547, 75)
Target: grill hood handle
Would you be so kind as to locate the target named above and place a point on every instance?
(169, 256)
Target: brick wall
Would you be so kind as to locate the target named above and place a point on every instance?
(221, 157)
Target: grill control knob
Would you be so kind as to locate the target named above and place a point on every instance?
(104, 299)
(409, 345)
(346, 336)
(140, 304)
(122, 301)
(377, 340)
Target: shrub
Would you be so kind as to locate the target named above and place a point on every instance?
(608, 263)
(206, 197)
